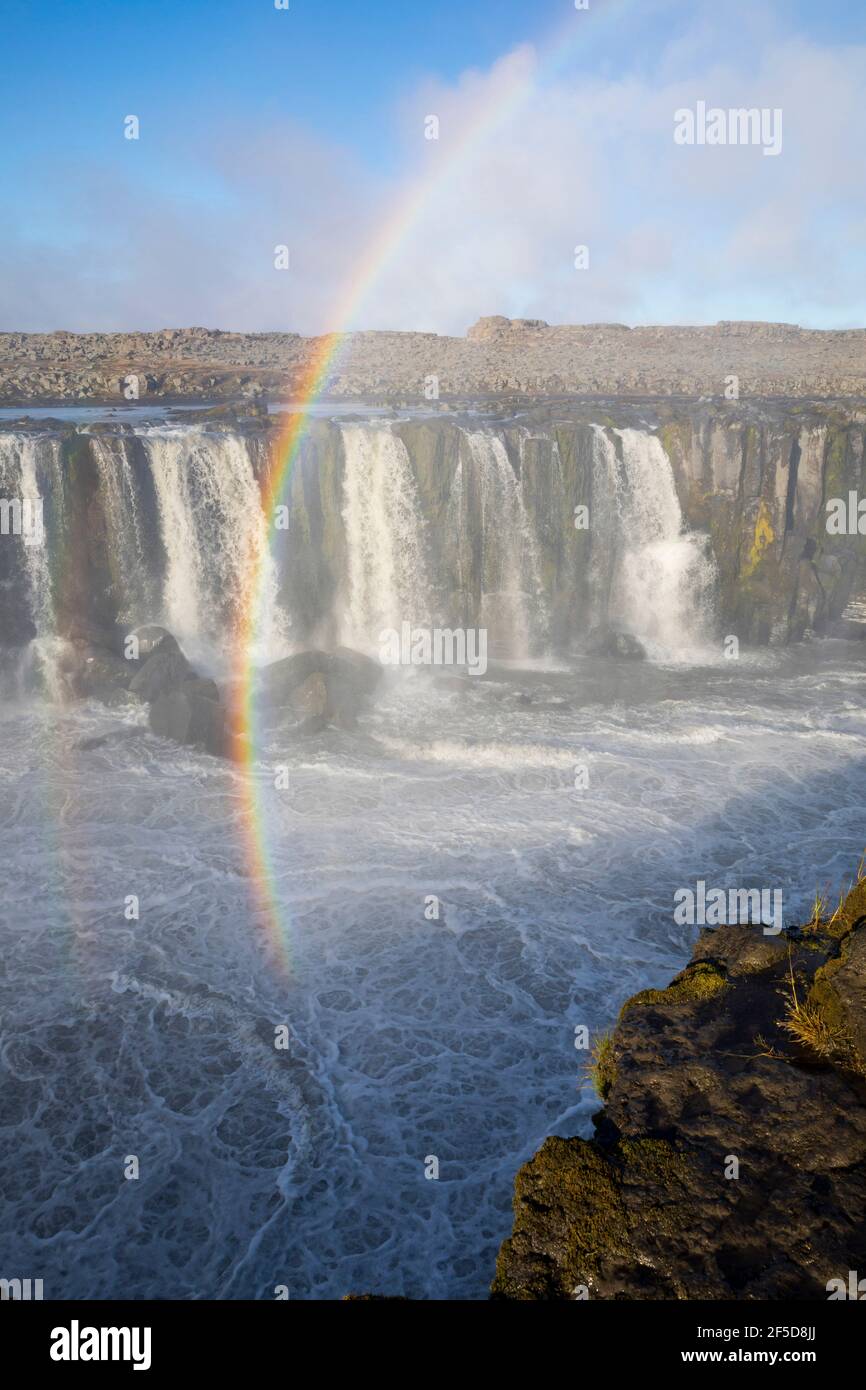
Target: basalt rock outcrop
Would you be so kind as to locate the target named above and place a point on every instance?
(752, 478)
(192, 713)
(729, 1160)
(314, 689)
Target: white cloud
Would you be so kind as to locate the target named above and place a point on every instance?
(675, 233)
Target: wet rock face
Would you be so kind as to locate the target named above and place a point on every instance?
(163, 671)
(752, 477)
(730, 1158)
(94, 672)
(605, 641)
(192, 714)
(325, 687)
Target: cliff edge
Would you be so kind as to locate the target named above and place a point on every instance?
(729, 1160)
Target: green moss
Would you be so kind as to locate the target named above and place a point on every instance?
(656, 1160)
(835, 466)
(703, 980)
(675, 438)
(567, 1204)
(852, 909)
(572, 1222)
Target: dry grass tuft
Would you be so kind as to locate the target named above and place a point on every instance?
(809, 1025)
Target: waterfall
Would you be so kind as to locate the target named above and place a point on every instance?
(166, 525)
(649, 577)
(30, 469)
(513, 604)
(215, 536)
(127, 542)
(387, 573)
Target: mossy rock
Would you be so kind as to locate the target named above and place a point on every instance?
(568, 1216)
(702, 980)
(838, 992)
(852, 910)
(576, 1225)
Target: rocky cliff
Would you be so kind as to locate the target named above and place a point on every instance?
(749, 481)
(729, 1160)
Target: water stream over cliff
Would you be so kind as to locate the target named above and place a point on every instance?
(512, 598)
(215, 538)
(387, 573)
(651, 577)
(174, 529)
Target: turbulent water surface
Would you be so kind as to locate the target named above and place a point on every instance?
(408, 1037)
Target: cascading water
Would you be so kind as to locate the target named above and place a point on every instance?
(512, 598)
(649, 578)
(388, 580)
(184, 537)
(26, 466)
(30, 470)
(128, 549)
(215, 537)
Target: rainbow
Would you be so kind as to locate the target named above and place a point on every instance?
(523, 75)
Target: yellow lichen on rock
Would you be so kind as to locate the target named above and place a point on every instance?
(764, 536)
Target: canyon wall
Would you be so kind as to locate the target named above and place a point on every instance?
(679, 523)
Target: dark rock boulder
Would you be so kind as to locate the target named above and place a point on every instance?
(849, 629)
(203, 687)
(83, 631)
(350, 679)
(730, 1158)
(149, 638)
(96, 673)
(310, 699)
(326, 688)
(606, 641)
(192, 714)
(162, 672)
(278, 682)
(363, 672)
(16, 627)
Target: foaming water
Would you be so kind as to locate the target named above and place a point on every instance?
(125, 526)
(387, 576)
(512, 598)
(30, 469)
(215, 536)
(656, 580)
(409, 1035)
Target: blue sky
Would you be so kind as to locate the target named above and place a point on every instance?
(261, 127)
